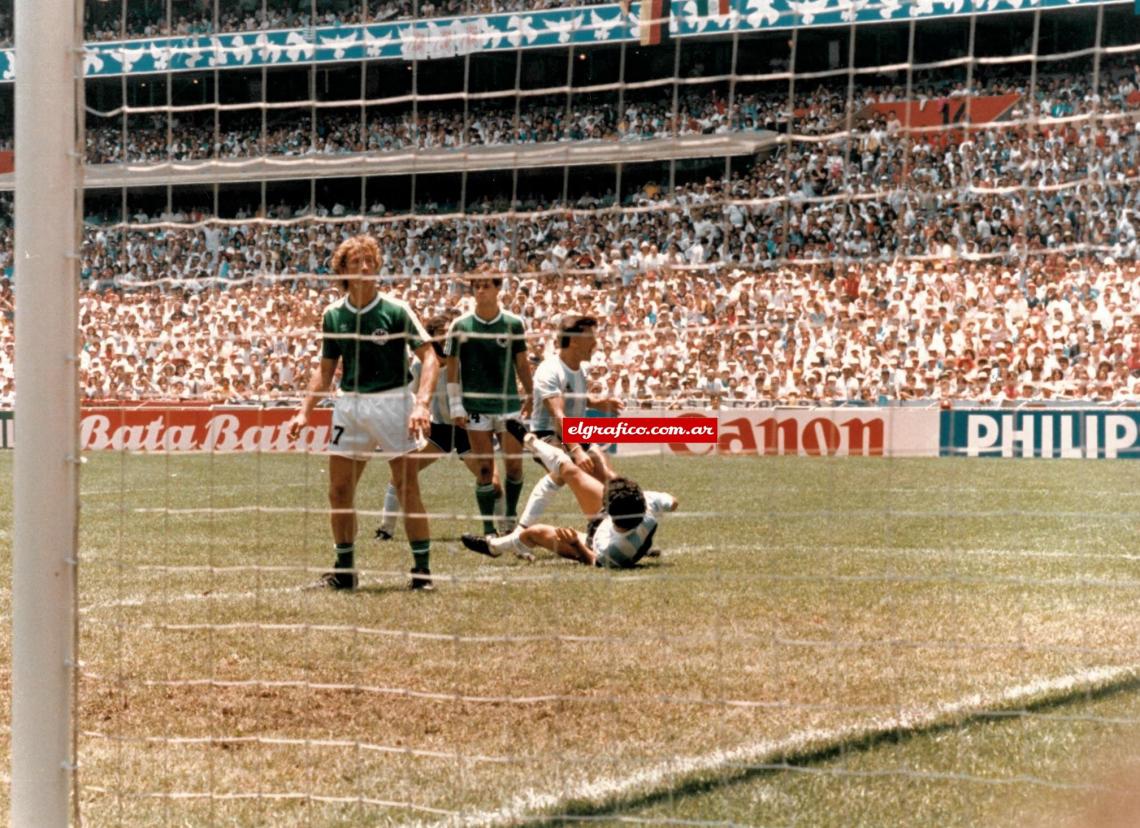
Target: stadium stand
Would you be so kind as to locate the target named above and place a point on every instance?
(1005, 269)
(484, 126)
(105, 22)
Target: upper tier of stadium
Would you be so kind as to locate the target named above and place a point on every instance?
(950, 220)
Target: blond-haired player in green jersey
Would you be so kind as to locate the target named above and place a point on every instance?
(369, 336)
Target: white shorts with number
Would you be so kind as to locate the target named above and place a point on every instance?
(477, 421)
(364, 425)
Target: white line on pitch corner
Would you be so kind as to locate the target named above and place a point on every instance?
(142, 601)
(534, 803)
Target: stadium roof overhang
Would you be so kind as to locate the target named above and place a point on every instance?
(475, 159)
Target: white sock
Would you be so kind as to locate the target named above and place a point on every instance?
(391, 510)
(511, 543)
(543, 492)
(551, 457)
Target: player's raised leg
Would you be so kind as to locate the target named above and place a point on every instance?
(587, 489)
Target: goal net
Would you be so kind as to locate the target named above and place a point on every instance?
(877, 242)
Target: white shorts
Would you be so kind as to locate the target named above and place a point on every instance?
(364, 424)
(477, 421)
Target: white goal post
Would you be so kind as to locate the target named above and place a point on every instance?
(46, 473)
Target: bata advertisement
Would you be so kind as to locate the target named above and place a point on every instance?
(1051, 433)
(199, 428)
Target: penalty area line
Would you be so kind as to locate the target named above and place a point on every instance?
(609, 793)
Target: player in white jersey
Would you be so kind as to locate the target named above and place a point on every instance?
(560, 390)
(621, 531)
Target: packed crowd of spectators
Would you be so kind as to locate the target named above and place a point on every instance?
(334, 133)
(250, 17)
(816, 111)
(1050, 328)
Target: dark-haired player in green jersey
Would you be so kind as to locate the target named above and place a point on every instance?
(486, 365)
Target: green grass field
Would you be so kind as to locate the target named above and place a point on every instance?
(823, 642)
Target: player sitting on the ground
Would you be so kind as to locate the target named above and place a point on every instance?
(443, 438)
(560, 390)
(486, 363)
(623, 518)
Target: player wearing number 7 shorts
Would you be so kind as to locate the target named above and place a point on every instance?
(369, 336)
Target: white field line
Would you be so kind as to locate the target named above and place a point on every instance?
(557, 570)
(181, 597)
(902, 551)
(690, 549)
(173, 483)
(534, 803)
(785, 514)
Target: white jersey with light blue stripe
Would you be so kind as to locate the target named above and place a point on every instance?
(616, 548)
(553, 378)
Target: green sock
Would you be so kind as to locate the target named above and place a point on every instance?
(421, 553)
(514, 489)
(345, 556)
(485, 497)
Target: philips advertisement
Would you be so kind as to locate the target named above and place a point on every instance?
(1049, 433)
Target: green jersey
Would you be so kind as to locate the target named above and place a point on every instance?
(486, 350)
(373, 343)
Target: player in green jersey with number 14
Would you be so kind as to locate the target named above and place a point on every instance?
(487, 362)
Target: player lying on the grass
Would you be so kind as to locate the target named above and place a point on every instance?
(369, 335)
(443, 438)
(621, 530)
(486, 365)
(560, 390)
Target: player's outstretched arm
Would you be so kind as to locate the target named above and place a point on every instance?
(659, 502)
(319, 385)
(420, 420)
(526, 380)
(557, 408)
(605, 404)
(455, 392)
